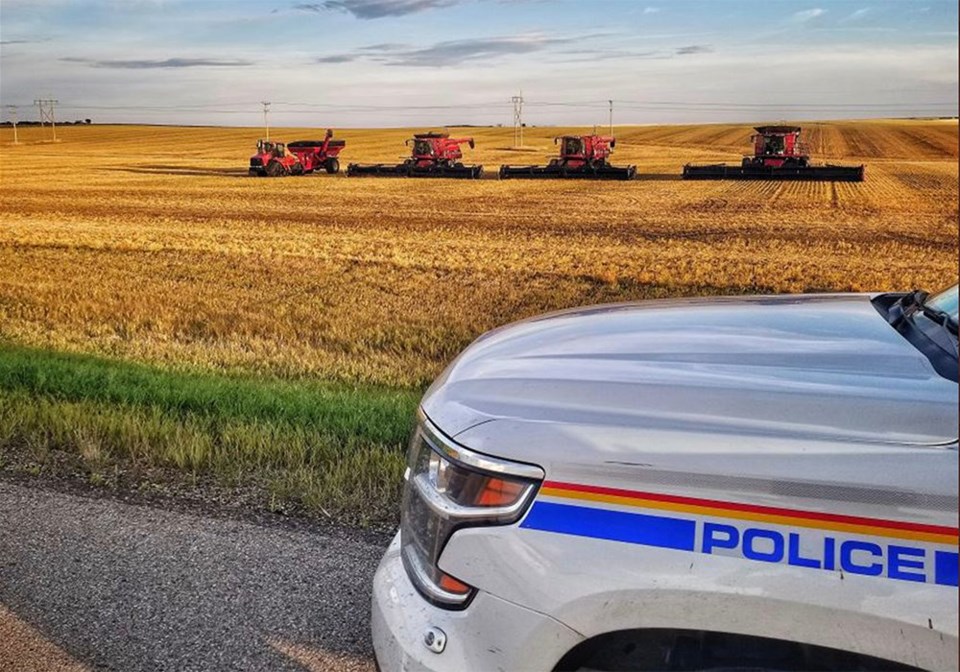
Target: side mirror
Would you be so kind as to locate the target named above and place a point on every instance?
(471, 143)
(613, 142)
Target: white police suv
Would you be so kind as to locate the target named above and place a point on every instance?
(752, 483)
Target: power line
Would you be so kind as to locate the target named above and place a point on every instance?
(816, 106)
(243, 108)
(341, 106)
(547, 111)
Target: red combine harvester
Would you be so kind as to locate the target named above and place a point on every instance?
(315, 155)
(273, 160)
(778, 154)
(581, 157)
(432, 155)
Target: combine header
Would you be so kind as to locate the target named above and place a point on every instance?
(778, 155)
(432, 155)
(315, 155)
(581, 157)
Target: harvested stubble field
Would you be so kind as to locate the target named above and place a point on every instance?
(151, 245)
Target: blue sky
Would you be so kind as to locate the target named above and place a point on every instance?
(349, 63)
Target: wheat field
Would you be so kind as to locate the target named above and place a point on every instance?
(152, 244)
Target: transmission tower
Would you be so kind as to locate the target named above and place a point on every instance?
(611, 116)
(266, 121)
(46, 107)
(518, 120)
(12, 111)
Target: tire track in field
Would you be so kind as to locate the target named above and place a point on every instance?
(861, 143)
(922, 178)
(933, 149)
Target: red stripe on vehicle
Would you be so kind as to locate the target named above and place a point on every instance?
(755, 508)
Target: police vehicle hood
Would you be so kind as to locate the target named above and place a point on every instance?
(804, 368)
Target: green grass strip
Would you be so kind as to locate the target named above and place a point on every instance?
(349, 413)
(327, 448)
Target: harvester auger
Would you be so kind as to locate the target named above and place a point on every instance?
(778, 154)
(432, 155)
(581, 157)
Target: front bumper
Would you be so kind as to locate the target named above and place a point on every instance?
(490, 634)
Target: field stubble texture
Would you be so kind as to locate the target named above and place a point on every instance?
(151, 244)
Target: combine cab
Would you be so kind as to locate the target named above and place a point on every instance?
(581, 157)
(273, 160)
(432, 155)
(315, 155)
(778, 155)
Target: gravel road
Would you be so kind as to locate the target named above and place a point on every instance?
(101, 584)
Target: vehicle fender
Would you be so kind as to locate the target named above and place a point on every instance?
(757, 616)
(595, 586)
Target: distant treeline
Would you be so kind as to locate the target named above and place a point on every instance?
(78, 122)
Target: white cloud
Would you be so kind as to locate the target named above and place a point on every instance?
(651, 10)
(857, 15)
(805, 15)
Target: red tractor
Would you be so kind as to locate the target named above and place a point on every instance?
(778, 154)
(273, 160)
(315, 155)
(431, 155)
(581, 157)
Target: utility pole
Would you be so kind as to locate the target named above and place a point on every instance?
(12, 109)
(518, 120)
(611, 116)
(266, 111)
(46, 107)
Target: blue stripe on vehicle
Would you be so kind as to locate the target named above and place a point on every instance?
(633, 528)
(945, 568)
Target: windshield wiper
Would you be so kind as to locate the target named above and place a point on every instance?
(906, 306)
(947, 321)
(899, 310)
(915, 302)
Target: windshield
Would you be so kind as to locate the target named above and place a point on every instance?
(773, 144)
(946, 302)
(572, 146)
(421, 147)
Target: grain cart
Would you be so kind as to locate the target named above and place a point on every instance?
(273, 160)
(315, 155)
(431, 155)
(581, 157)
(778, 154)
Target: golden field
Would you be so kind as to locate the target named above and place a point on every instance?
(152, 244)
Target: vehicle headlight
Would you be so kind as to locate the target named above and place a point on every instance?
(449, 487)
